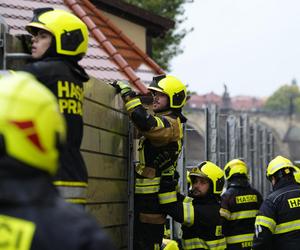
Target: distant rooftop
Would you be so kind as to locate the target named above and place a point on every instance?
(236, 102)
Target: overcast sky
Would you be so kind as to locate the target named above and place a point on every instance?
(253, 46)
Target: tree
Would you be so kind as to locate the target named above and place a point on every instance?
(164, 49)
(285, 99)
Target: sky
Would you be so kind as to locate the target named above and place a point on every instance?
(252, 46)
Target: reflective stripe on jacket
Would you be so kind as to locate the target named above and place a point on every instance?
(239, 207)
(278, 222)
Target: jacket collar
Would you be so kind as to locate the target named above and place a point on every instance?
(238, 182)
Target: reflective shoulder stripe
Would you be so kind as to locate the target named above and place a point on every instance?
(168, 197)
(243, 214)
(266, 222)
(147, 185)
(16, 233)
(188, 199)
(287, 227)
(188, 214)
(160, 123)
(218, 244)
(225, 213)
(239, 238)
(194, 243)
(132, 103)
(73, 193)
(70, 183)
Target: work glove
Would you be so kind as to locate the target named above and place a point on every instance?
(167, 184)
(123, 88)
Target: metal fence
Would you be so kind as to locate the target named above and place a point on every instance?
(232, 135)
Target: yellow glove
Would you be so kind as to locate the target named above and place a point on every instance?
(122, 88)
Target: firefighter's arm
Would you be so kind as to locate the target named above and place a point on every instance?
(265, 226)
(225, 211)
(170, 200)
(138, 114)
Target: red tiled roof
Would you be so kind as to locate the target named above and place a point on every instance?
(200, 101)
(236, 102)
(111, 55)
(246, 102)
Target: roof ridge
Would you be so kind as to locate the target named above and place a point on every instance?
(102, 39)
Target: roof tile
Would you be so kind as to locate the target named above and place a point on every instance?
(110, 56)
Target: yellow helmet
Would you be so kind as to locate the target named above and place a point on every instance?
(70, 33)
(170, 244)
(280, 163)
(172, 87)
(211, 171)
(31, 125)
(297, 176)
(235, 166)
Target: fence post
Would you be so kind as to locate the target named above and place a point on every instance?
(211, 138)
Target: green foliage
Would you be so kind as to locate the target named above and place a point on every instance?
(283, 98)
(167, 47)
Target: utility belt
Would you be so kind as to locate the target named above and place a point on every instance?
(72, 191)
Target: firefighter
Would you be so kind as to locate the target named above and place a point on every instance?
(59, 41)
(159, 148)
(239, 206)
(277, 223)
(32, 214)
(199, 212)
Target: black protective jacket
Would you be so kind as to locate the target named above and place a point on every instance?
(65, 80)
(199, 216)
(277, 224)
(159, 147)
(34, 217)
(239, 207)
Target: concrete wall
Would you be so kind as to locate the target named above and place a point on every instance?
(105, 151)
